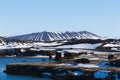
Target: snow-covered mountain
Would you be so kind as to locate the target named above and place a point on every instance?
(52, 36)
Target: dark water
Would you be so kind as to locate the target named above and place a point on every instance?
(4, 61)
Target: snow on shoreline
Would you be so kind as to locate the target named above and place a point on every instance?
(80, 65)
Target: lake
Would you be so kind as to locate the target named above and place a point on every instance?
(4, 61)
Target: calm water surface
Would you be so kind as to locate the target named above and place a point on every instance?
(4, 61)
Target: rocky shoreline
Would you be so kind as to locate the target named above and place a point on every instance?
(55, 70)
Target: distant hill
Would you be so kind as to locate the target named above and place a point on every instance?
(53, 36)
(2, 39)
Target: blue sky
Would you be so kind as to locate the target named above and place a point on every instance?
(101, 17)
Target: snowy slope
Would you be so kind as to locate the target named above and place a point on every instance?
(52, 36)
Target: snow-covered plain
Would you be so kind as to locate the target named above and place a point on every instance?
(111, 45)
(3, 47)
(84, 46)
(14, 45)
(46, 44)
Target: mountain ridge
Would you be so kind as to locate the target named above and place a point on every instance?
(53, 36)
